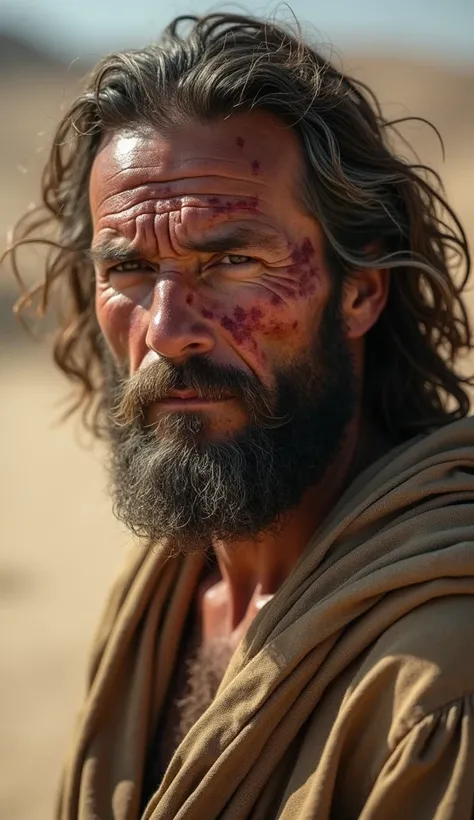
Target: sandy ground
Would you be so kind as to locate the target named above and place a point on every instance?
(60, 546)
(59, 543)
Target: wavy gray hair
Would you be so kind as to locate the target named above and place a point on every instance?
(375, 209)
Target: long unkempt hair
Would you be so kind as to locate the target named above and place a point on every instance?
(376, 209)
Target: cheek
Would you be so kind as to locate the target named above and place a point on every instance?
(276, 316)
(118, 319)
(262, 325)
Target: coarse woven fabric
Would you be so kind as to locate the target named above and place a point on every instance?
(352, 694)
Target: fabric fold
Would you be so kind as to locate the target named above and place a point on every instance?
(401, 537)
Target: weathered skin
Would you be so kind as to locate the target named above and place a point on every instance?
(252, 303)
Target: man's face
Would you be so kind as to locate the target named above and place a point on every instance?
(229, 360)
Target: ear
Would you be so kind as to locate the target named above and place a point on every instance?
(364, 297)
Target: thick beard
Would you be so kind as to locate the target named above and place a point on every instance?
(191, 491)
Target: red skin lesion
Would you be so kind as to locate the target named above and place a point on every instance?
(256, 315)
(238, 330)
(306, 274)
(303, 253)
(240, 142)
(276, 328)
(220, 207)
(240, 314)
(245, 323)
(256, 167)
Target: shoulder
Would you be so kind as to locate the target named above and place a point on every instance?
(421, 663)
(424, 659)
(406, 705)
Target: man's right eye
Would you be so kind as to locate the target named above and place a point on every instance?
(131, 266)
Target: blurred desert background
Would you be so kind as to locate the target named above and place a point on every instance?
(60, 545)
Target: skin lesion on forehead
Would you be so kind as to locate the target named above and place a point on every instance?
(240, 157)
(212, 173)
(206, 224)
(120, 213)
(161, 197)
(190, 214)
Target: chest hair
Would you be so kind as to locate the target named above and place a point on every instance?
(199, 672)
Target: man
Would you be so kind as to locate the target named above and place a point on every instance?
(261, 318)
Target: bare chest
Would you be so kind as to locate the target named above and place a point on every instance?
(207, 646)
(198, 674)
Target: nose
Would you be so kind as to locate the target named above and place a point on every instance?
(175, 328)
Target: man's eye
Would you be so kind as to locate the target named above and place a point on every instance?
(131, 267)
(236, 259)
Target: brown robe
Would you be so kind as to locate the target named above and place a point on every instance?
(352, 694)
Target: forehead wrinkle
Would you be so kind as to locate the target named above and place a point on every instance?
(130, 170)
(138, 191)
(146, 233)
(172, 171)
(120, 249)
(188, 218)
(170, 203)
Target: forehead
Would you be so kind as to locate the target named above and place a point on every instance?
(251, 154)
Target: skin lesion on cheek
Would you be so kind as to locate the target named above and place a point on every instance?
(239, 322)
(301, 276)
(246, 325)
(243, 324)
(304, 268)
(272, 314)
(238, 329)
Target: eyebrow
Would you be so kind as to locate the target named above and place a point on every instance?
(113, 250)
(116, 250)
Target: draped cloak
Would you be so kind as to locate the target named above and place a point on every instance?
(350, 696)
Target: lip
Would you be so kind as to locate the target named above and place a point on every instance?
(192, 403)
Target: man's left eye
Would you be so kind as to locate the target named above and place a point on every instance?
(236, 259)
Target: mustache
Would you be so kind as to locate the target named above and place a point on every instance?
(210, 381)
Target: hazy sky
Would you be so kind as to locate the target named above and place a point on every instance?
(90, 27)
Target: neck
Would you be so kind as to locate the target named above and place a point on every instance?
(253, 570)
